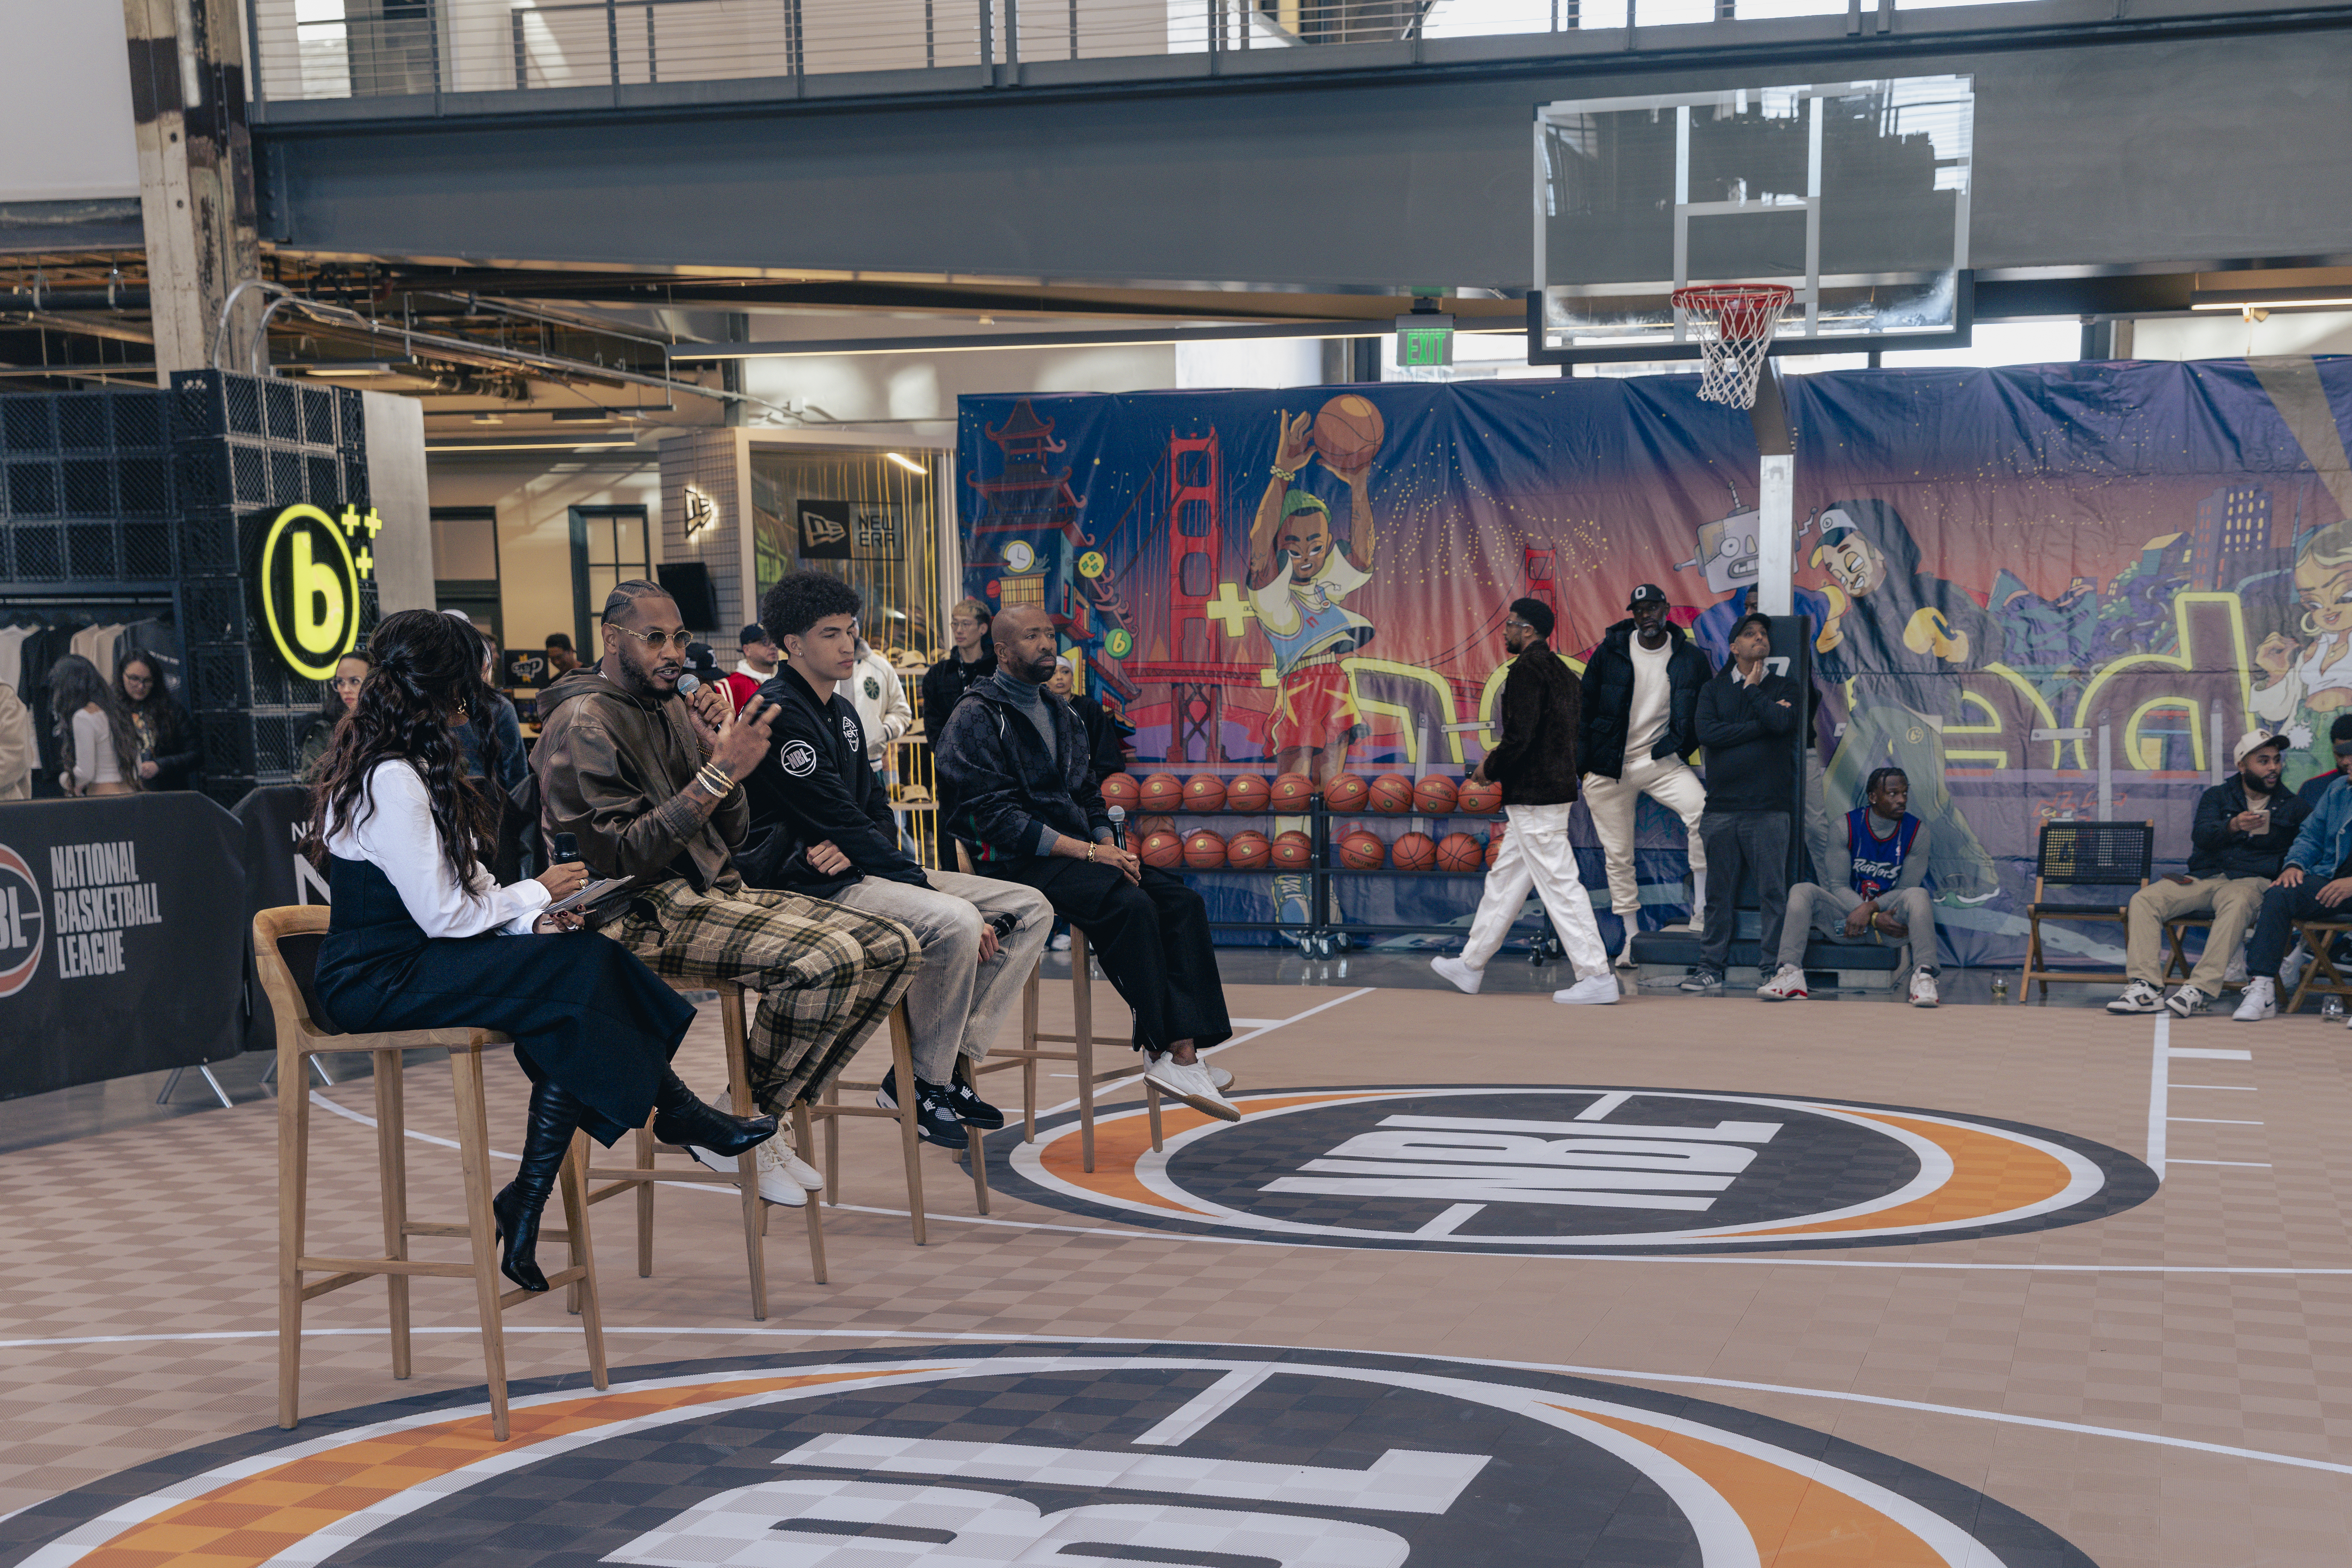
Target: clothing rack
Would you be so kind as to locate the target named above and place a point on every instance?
(62, 605)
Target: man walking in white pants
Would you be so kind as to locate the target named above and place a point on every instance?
(1638, 728)
(1535, 761)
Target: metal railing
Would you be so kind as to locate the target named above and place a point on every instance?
(314, 49)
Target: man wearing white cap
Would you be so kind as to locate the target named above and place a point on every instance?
(2238, 842)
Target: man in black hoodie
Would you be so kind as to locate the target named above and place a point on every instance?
(1535, 761)
(1747, 716)
(821, 825)
(1639, 729)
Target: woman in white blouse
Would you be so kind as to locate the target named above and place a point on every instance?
(96, 739)
(423, 937)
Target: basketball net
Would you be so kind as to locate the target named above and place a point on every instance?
(1734, 324)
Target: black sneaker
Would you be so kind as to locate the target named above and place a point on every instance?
(968, 1107)
(934, 1121)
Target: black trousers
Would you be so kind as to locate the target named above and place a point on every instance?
(1740, 844)
(1152, 938)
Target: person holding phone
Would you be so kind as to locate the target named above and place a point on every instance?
(423, 937)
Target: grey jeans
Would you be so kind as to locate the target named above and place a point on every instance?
(1739, 845)
(1813, 908)
(958, 1003)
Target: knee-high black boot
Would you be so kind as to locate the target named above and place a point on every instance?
(679, 1118)
(547, 1138)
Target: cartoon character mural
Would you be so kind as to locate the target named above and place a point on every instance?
(2318, 678)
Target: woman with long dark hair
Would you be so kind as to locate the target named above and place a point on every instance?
(95, 738)
(423, 937)
(335, 705)
(168, 750)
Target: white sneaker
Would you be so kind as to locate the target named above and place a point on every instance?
(1923, 989)
(2259, 1002)
(1624, 959)
(1597, 991)
(2186, 1002)
(1062, 942)
(776, 1184)
(1788, 985)
(1221, 1077)
(2139, 997)
(2291, 972)
(1190, 1082)
(1465, 978)
(2236, 973)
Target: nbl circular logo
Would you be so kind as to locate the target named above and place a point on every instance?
(23, 923)
(1526, 1167)
(1202, 1455)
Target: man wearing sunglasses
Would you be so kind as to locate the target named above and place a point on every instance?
(650, 781)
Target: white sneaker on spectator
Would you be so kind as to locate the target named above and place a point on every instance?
(2187, 1002)
(2291, 972)
(2139, 997)
(1597, 991)
(1221, 1079)
(1923, 989)
(2259, 1002)
(1465, 978)
(2236, 973)
(1788, 985)
(776, 1183)
(1062, 942)
(1190, 1082)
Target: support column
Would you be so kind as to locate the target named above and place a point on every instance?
(1776, 511)
(195, 176)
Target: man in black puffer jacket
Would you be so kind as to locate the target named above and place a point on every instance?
(1535, 761)
(1640, 727)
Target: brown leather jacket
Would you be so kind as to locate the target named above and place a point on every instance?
(611, 766)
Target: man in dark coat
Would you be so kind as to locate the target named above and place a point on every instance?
(1535, 761)
(1014, 758)
(1748, 717)
(1639, 729)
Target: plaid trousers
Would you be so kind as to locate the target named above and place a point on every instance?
(827, 974)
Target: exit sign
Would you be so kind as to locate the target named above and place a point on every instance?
(1424, 340)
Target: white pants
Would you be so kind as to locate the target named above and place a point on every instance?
(1673, 783)
(1537, 854)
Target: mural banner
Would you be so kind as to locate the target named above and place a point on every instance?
(1997, 563)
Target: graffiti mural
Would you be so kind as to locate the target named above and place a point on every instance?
(1998, 565)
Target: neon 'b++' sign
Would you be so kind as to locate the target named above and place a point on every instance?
(311, 567)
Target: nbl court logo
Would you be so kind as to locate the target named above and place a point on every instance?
(23, 923)
(973, 1456)
(1518, 1168)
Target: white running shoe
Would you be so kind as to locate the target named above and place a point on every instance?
(2259, 1002)
(1221, 1077)
(776, 1183)
(1624, 959)
(1062, 942)
(1788, 985)
(1465, 978)
(1190, 1082)
(1923, 989)
(2186, 1002)
(1597, 991)
(2139, 997)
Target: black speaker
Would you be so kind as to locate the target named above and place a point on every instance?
(688, 582)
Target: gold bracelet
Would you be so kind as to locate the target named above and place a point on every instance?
(1285, 475)
(1090, 852)
(711, 778)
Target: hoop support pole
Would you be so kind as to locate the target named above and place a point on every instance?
(1776, 508)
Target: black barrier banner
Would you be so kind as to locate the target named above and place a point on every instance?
(121, 938)
(274, 876)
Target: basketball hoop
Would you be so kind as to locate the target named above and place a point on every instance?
(1735, 323)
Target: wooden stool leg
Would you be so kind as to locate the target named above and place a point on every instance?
(474, 1150)
(902, 1058)
(1029, 1064)
(1082, 1043)
(645, 1161)
(832, 1146)
(747, 1164)
(391, 1175)
(977, 1154)
(815, 1210)
(573, 1182)
(293, 1177)
(1152, 1110)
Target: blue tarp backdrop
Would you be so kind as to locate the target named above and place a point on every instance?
(2159, 548)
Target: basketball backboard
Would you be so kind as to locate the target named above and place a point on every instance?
(1855, 195)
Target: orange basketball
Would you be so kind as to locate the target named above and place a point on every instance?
(1293, 849)
(1392, 793)
(1349, 430)
(1246, 791)
(1121, 790)
(1143, 828)
(1164, 850)
(1494, 846)
(1414, 852)
(1363, 851)
(1203, 850)
(1458, 852)
(1346, 793)
(1292, 792)
(1478, 799)
(1247, 850)
(1433, 796)
(1205, 792)
(1162, 792)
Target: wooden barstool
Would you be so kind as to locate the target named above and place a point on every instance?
(1081, 1041)
(642, 1174)
(286, 952)
(829, 1109)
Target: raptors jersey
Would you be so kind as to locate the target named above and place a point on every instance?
(1877, 862)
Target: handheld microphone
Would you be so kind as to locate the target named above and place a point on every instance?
(687, 685)
(1119, 826)
(567, 850)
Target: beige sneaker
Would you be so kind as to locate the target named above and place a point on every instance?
(1191, 1083)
